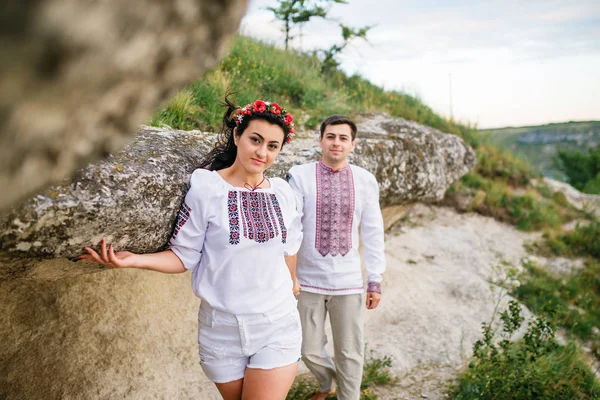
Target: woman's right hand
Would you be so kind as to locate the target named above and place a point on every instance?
(108, 256)
(296, 287)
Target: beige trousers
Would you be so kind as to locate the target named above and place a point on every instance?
(346, 316)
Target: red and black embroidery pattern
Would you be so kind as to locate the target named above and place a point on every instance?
(261, 217)
(182, 217)
(234, 220)
(279, 218)
(335, 210)
(374, 287)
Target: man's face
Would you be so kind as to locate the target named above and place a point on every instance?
(336, 144)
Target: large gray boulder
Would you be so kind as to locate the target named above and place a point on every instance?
(78, 77)
(132, 198)
(412, 162)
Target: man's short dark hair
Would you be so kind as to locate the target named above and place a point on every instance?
(338, 120)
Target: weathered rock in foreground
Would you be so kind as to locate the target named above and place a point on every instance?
(132, 198)
(77, 78)
(112, 335)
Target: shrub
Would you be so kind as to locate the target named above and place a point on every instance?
(376, 371)
(535, 367)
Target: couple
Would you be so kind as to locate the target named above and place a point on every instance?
(244, 236)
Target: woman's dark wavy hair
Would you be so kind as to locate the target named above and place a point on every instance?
(224, 153)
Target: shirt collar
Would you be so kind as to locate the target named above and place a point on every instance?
(329, 169)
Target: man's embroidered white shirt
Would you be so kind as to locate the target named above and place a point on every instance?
(335, 206)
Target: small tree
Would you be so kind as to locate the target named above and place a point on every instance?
(348, 33)
(292, 12)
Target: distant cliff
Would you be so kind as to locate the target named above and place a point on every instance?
(539, 144)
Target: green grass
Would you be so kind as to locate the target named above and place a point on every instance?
(375, 373)
(501, 187)
(582, 241)
(494, 163)
(527, 210)
(254, 69)
(303, 388)
(180, 113)
(571, 302)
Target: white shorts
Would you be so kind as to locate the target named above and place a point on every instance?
(231, 343)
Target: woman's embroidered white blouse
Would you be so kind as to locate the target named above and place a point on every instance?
(235, 240)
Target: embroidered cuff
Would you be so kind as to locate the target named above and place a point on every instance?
(374, 287)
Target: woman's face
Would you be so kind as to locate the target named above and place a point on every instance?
(259, 145)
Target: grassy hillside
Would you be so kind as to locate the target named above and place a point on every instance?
(258, 70)
(538, 144)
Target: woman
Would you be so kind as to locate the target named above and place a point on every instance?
(239, 233)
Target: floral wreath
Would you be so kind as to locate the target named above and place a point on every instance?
(260, 106)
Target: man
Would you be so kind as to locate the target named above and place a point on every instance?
(336, 199)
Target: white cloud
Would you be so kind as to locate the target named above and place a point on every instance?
(512, 62)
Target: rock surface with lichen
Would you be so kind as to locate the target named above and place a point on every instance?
(131, 198)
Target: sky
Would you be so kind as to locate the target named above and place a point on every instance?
(489, 63)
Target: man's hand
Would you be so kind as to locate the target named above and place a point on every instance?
(373, 299)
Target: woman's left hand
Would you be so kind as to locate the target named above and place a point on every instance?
(296, 288)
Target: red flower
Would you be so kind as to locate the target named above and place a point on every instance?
(288, 118)
(292, 130)
(259, 106)
(276, 109)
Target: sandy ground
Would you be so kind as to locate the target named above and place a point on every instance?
(437, 293)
